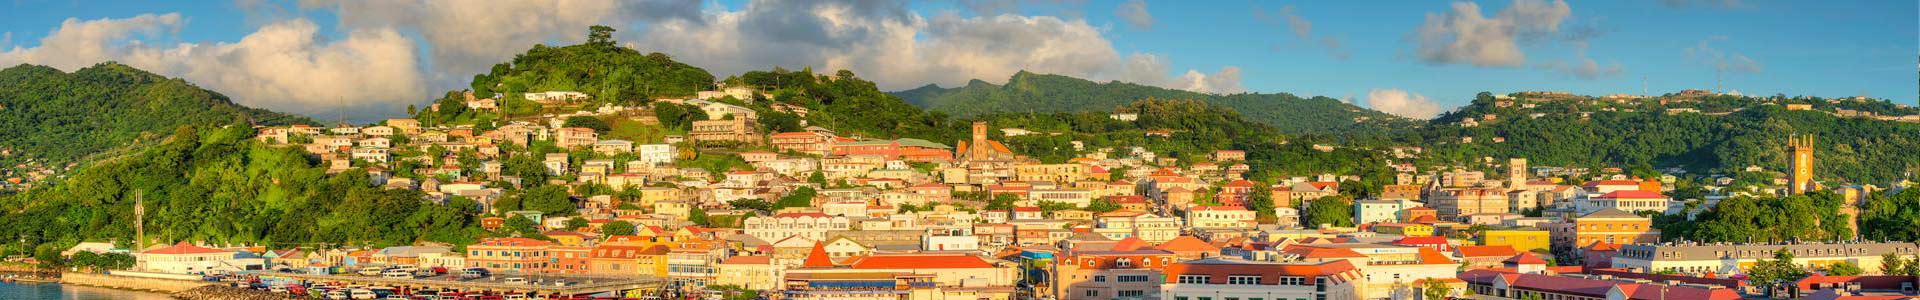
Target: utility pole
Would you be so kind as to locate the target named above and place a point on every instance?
(139, 222)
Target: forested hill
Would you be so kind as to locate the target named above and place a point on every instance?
(1700, 133)
(51, 118)
(598, 68)
(1028, 92)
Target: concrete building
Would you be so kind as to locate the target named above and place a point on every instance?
(1696, 258)
(1215, 278)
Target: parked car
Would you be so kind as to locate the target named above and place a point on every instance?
(363, 294)
(516, 280)
(397, 274)
(471, 273)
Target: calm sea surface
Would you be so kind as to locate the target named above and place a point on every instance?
(37, 291)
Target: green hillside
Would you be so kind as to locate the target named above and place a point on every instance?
(1718, 134)
(1028, 92)
(52, 118)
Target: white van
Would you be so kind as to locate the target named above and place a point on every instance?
(362, 294)
(397, 274)
(516, 280)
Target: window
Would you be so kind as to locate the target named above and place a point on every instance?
(1133, 293)
(1131, 278)
(1193, 279)
(1101, 278)
(1093, 293)
(1293, 280)
(1124, 263)
(1243, 280)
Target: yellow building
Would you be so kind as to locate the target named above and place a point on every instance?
(1404, 229)
(652, 194)
(1522, 240)
(1062, 173)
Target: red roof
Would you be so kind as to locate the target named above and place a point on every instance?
(185, 248)
(1129, 244)
(1318, 252)
(1634, 194)
(1421, 240)
(1220, 270)
(1429, 256)
(921, 262)
(818, 257)
(1187, 243)
(1612, 182)
(1486, 251)
(513, 241)
(1603, 246)
(1525, 258)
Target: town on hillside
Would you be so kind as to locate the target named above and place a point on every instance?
(730, 209)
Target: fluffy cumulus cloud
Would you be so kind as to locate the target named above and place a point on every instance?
(897, 48)
(395, 53)
(469, 36)
(1462, 35)
(1135, 13)
(1721, 60)
(1402, 103)
(285, 66)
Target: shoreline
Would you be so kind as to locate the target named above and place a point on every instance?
(130, 283)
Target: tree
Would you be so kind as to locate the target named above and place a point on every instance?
(552, 200)
(1002, 201)
(753, 204)
(1436, 290)
(1335, 211)
(1844, 268)
(600, 35)
(521, 225)
(801, 197)
(1102, 205)
(1778, 271)
(617, 228)
(699, 217)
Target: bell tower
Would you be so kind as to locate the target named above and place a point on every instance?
(1801, 179)
(978, 149)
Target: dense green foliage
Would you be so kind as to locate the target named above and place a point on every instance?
(850, 105)
(218, 185)
(54, 118)
(1810, 217)
(1892, 217)
(1336, 211)
(1195, 129)
(1776, 272)
(1727, 135)
(1028, 92)
(599, 68)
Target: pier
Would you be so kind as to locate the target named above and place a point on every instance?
(574, 285)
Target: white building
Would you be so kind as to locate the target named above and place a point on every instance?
(186, 258)
(656, 154)
(812, 226)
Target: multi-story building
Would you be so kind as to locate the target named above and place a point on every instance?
(809, 142)
(1626, 200)
(1609, 225)
(750, 272)
(1119, 274)
(1694, 258)
(735, 130)
(1501, 284)
(628, 259)
(812, 226)
(509, 254)
(1220, 217)
(1059, 173)
(1144, 226)
(1518, 239)
(1454, 204)
(1219, 279)
(576, 137)
(1380, 211)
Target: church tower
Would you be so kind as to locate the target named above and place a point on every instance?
(1801, 179)
(1517, 173)
(979, 149)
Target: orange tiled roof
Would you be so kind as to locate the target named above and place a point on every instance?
(921, 262)
(1486, 251)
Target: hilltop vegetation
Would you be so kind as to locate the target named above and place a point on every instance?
(598, 67)
(54, 118)
(217, 185)
(1718, 134)
(1028, 92)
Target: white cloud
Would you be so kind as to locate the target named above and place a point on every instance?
(283, 66)
(469, 36)
(901, 49)
(1135, 13)
(1463, 35)
(1721, 60)
(1402, 103)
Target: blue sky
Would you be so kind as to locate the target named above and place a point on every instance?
(360, 54)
